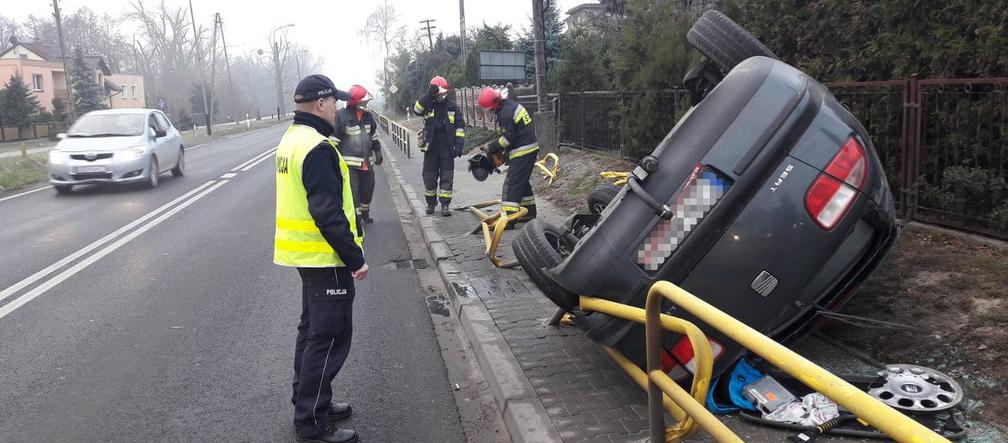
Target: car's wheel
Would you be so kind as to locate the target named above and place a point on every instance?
(179, 169)
(724, 42)
(154, 173)
(538, 246)
(600, 197)
(63, 189)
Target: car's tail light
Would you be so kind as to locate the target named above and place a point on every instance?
(833, 192)
(679, 363)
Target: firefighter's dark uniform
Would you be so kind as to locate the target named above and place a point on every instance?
(356, 139)
(316, 233)
(444, 128)
(518, 140)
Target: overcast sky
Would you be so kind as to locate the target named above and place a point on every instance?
(328, 28)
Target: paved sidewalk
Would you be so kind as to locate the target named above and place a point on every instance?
(550, 384)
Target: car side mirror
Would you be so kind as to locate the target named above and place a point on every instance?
(61, 135)
(151, 132)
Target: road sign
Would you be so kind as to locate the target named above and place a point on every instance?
(393, 89)
(502, 66)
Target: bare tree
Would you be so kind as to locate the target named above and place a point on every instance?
(382, 29)
(165, 53)
(281, 49)
(8, 28)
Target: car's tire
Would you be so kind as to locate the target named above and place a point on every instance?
(63, 189)
(600, 197)
(179, 169)
(724, 42)
(536, 248)
(153, 177)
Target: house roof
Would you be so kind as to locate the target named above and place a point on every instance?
(584, 7)
(51, 53)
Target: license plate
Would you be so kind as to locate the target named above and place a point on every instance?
(91, 169)
(698, 196)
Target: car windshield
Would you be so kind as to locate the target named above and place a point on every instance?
(108, 125)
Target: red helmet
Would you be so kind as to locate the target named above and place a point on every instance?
(489, 98)
(358, 94)
(441, 83)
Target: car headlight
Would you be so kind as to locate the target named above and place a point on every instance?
(136, 152)
(57, 156)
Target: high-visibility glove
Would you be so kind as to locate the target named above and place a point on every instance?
(378, 158)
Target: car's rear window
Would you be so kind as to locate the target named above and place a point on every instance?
(108, 125)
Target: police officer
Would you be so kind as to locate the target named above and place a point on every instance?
(443, 140)
(356, 139)
(519, 145)
(316, 232)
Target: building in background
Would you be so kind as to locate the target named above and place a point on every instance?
(586, 17)
(130, 93)
(41, 66)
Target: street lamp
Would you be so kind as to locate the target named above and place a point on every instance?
(279, 69)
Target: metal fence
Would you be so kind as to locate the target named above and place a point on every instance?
(600, 120)
(400, 134)
(466, 99)
(943, 142)
(944, 145)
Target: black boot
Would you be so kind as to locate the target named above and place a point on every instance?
(331, 436)
(366, 216)
(340, 411)
(445, 211)
(430, 209)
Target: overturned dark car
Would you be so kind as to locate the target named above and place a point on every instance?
(767, 200)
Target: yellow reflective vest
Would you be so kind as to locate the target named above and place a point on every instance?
(298, 241)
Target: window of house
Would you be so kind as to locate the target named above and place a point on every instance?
(23, 56)
(123, 91)
(101, 79)
(133, 91)
(37, 82)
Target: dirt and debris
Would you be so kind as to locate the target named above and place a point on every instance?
(952, 288)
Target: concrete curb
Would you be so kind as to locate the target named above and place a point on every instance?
(521, 409)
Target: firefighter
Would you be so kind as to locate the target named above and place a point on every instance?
(442, 140)
(316, 233)
(356, 138)
(518, 144)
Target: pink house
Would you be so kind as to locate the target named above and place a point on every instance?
(41, 67)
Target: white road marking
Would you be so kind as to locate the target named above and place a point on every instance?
(254, 159)
(59, 278)
(55, 266)
(194, 147)
(256, 163)
(228, 175)
(24, 193)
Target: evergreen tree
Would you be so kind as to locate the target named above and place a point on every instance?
(87, 92)
(59, 109)
(18, 103)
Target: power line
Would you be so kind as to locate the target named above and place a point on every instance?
(430, 38)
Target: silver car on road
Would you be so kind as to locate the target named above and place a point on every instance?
(116, 146)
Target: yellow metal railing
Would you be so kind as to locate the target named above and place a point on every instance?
(618, 178)
(687, 408)
(549, 172)
(493, 227)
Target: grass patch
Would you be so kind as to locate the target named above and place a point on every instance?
(16, 172)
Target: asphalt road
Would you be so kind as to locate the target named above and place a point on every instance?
(132, 314)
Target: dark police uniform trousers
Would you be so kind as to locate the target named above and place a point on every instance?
(323, 343)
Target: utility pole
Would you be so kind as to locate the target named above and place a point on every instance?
(66, 72)
(430, 38)
(538, 33)
(199, 58)
(227, 62)
(462, 40)
(213, 68)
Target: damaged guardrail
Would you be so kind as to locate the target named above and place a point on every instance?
(687, 408)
